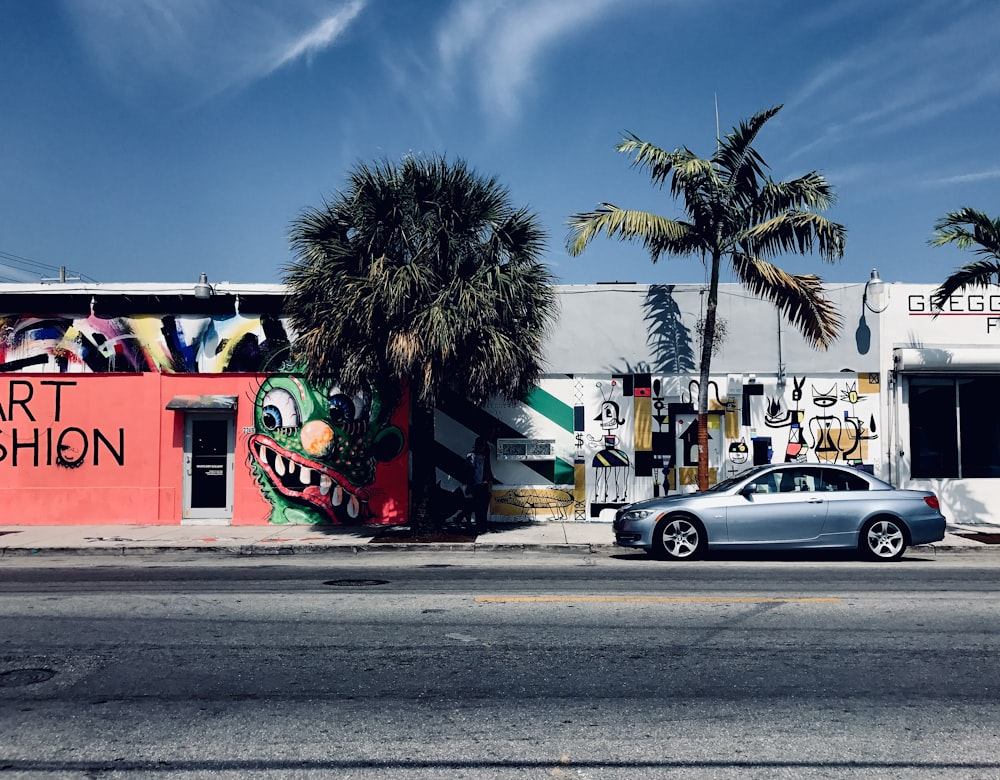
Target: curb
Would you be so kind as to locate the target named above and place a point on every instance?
(274, 551)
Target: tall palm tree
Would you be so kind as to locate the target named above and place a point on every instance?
(968, 229)
(421, 275)
(732, 212)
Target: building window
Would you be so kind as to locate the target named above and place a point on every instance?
(954, 427)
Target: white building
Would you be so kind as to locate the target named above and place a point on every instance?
(903, 394)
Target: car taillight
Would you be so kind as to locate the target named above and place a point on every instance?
(932, 502)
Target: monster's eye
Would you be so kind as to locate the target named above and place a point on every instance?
(345, 409)
(279, 410)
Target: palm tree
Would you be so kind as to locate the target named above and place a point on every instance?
(968, 229)
(732, 211)
(421, 275)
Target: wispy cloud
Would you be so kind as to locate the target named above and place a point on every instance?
(967, 178)
(198, 48)
(320, 36)
(501, 44)
(922, 62)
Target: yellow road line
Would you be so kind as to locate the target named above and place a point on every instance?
(659, 599)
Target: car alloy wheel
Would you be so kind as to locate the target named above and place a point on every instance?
(678, 538)
(883, 540)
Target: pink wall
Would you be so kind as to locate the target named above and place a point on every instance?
(249, 506)
(81, 449)
(78, 448)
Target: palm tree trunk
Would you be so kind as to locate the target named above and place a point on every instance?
(707, 343)
(421, 463)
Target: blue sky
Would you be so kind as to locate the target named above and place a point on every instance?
(152, 140)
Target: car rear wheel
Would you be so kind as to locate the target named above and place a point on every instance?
(882, 539)
(678, 538)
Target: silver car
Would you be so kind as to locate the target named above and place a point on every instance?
(783, 507)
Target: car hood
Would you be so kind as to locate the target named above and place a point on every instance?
(664, 501)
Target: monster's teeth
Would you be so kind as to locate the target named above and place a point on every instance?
(352, 507)
(291, 466)
(324, 484)
(338, 495)
(305, 475)
(279, 466)
(262, 456)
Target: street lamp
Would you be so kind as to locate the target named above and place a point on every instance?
(203, 290)
(875, 299)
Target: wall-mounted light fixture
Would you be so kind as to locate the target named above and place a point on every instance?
(875, 298)
(203, 290)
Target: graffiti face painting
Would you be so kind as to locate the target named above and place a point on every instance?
(315, 449)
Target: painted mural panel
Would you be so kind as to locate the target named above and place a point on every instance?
(628, 436)
(315, 452)
(164, 343)
(82, 432)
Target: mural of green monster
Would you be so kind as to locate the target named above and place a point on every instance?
(314, 449)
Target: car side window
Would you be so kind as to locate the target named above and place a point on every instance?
(786, 481)
(841, 481)
(810, 480)
(764, 484)
(800, 480)
(855, 482)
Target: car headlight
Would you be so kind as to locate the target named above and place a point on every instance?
(638, 514)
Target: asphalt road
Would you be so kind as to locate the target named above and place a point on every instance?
(520, 665)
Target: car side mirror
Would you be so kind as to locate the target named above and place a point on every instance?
(747, 491)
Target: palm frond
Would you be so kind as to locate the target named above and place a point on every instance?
(656, 233)
(979, 273)
(968, 228)
(811, 192)
(800, 298)
(796, 231)
(645, 155)
(741, 164)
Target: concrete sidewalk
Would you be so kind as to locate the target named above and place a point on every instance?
(291, 539)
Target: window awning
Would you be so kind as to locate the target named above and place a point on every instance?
(202, 403)
(947, 359)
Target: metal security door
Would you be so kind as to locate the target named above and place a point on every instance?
(208, 467)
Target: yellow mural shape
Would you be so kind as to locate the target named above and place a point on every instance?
(643, 424)
(869, 383)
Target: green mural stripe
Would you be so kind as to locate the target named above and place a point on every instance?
(485, 424)
(565, 473)
(551, 408)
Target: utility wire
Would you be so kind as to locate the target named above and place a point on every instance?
(11, 262)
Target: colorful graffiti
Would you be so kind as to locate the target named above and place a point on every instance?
(314, 450)
(148, 343)
(833, 432)
(534, 503)
(634, 436)
(611, 464)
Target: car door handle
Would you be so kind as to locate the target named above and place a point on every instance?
(815, 500)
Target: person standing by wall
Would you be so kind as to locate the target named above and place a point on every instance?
(480, 482)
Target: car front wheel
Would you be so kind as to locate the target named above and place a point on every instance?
(678, 538)
(882, 539)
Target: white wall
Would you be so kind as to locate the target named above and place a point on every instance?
(964, 338)
(621, 360)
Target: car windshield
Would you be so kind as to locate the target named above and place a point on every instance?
(726, 484)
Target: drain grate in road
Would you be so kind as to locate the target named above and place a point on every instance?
(355, 583)
(17, 677)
